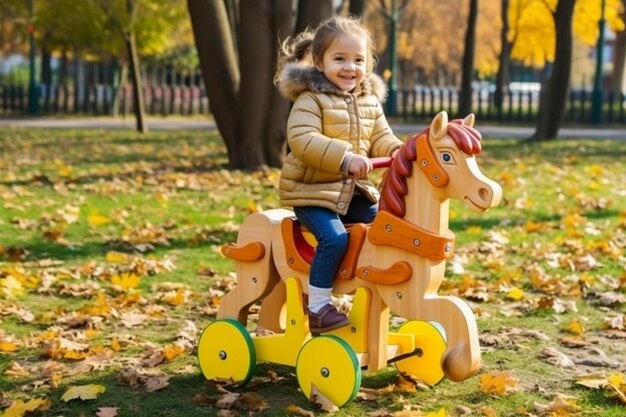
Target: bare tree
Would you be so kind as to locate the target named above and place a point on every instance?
(467, 69)
(237, 44)
(554, 91)
(125, 26)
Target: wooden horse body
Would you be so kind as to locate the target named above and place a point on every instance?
(401, 263)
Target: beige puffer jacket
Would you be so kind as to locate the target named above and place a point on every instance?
(324, 125)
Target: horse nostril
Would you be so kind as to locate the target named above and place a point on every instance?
(483, 193)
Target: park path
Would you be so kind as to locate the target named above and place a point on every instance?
(486, 130)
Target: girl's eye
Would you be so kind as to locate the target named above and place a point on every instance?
(447, 158)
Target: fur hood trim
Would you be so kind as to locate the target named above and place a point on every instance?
(295, 79)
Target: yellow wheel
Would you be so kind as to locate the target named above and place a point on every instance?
(226, 351)
(329, 363)
(430, 344)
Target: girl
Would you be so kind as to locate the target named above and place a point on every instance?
(335, 125)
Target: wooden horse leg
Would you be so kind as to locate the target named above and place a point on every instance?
(462, 357)
(253, 284)
(255, 278)
(272, 314)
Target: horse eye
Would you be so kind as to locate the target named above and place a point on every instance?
(446, 157)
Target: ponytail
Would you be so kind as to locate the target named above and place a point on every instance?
(294, 49)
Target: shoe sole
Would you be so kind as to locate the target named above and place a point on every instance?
(317, 331)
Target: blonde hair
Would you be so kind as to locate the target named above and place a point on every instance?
(310, 45)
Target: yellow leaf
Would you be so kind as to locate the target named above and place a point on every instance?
(115, 345)
(172, 351)
(515, 294)
(575, 327)
(177, 298)
(488, 412)
(7, 347)
(83, 392)
(72, 354)
(117, 257)
(617, 379)
(253, 207)
(64, 171)
(97, 220)
(474, 230)
(533, 227)
(11, 287)
(126, 280)
(592, 381)
(19, 407)
(498, 383)
(440, 413)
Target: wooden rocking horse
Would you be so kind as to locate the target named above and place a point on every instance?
(396, 264)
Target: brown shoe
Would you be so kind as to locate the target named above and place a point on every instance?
(327, 319)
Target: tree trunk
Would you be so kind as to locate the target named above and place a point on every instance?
(554, 95)
(218, 60)
(465, 99)
(119, 86)
(248, 110)
(311, 12)
(619, 57)
(357, 8)
(138, 102)
(502, 78)
(257, 55)
(62, 84)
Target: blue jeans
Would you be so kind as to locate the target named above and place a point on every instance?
(332, 238)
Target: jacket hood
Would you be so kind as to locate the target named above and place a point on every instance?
(295, 79)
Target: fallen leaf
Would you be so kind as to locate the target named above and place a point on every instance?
(227, 400)
(16, 370)
(498, 383)
(488, 411)
(592, 380)
(561, 406)
(156, 383)
(515, 294)
(318, 398)
(19, 408)
(83, 392)
(553, 356)
(440, 413)
(107, 412)
(252, 402)
(117, 257)
(575, 327)
(294, 409)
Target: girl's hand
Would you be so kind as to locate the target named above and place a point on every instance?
(395, 153)
(360, 166)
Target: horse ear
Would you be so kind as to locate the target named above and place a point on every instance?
(439, 126)
(469, 120)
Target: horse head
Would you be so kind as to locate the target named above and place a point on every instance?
(445, 153)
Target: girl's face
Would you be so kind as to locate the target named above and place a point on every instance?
(344, 62)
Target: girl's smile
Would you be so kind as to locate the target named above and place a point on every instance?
(344, 62)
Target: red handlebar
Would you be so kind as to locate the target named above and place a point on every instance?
(381, 162)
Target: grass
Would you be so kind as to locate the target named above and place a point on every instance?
(83, 210)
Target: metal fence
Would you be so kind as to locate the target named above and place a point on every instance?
(166, 92)
(517, 106)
